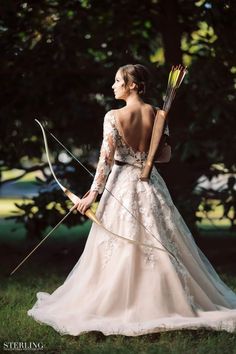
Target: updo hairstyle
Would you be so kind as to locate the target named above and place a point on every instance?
(138, 74)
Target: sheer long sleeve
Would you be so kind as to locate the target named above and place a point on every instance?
(106, 153)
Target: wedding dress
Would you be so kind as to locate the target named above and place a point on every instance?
(117, 287)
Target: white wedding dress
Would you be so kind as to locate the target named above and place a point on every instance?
(117, 287)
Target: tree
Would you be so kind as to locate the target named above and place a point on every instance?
(59, 63)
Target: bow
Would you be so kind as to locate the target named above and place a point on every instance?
(75, 200)
(89, 213)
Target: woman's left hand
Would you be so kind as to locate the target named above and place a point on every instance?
(86, 202)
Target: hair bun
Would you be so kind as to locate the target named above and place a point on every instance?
(138, 74)
(141, 88)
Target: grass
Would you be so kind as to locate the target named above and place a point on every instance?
(12, 233)
(7, 206)
(29, 177)
(212, 219)
(210, 224)
(48, 269)
(17, 231)
(18, 295)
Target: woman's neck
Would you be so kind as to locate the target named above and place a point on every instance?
(133, 99)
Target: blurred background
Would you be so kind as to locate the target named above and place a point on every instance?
(58, 63)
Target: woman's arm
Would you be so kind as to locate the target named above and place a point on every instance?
(105, 162)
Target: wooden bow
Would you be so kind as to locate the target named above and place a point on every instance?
(89, 213)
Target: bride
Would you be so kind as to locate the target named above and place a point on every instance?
(160, 281)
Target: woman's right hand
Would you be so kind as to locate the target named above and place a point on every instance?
(86, 202)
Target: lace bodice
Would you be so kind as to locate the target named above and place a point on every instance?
(113, 147)
(119, 288)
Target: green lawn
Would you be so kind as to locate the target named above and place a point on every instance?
(209, 224)
(18, 295)
(48, 268)
(12, 232)
(13, 173)
(7, 206)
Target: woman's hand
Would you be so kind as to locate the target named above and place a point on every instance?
(86, 202)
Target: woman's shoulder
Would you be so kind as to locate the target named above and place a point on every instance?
(118, 110)
(124, 111)
(110, 118)
(116, 114)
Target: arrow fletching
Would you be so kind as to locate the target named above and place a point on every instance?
(175, 78)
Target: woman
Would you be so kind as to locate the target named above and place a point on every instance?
(118, 287)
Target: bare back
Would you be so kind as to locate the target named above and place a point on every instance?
(135, 125)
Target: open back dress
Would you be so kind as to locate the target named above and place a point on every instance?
(118, 287)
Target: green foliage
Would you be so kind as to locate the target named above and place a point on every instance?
(49, 206)
(58, 64)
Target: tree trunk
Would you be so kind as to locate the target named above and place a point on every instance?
(178, 174)
(171, 32)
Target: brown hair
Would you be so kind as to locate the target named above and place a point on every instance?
(136, 73)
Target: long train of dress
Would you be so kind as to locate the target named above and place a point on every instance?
(120, 288)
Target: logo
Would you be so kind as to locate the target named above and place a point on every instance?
(21, 346)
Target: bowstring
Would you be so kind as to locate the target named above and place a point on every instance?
(112, 194)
